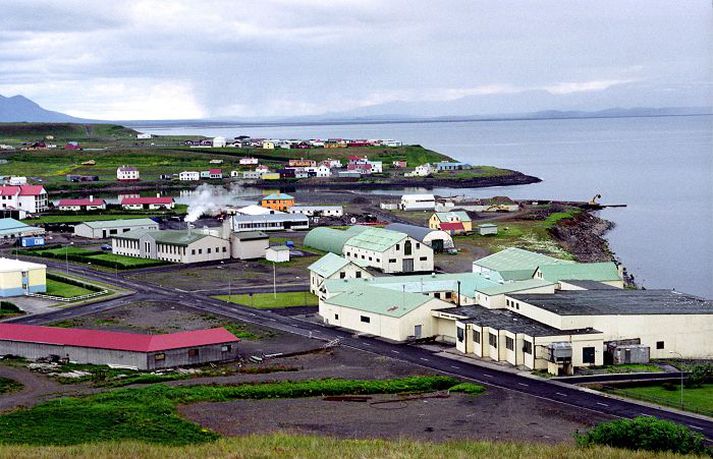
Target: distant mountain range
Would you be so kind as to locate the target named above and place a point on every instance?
(20, 108)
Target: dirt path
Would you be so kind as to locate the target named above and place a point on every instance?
(36, 388)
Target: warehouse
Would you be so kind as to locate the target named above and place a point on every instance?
(333, 266)
(249, 245)
(20, 277)
(109, 228)
(514, 263)
(176, 246)
(270, 222)
(436, 239)
(11, 228)
(606, 273)
(318, 211)
(134, 350)
(417, 202)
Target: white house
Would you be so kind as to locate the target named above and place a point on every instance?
(333, 163)
(418, 202)
(268, 145)
(189, 176)
(152, 203)
(81, 204)
(332, 266)
(319, 171)
(219, 142)
(127, 174)
(248, 161)
(28, 198)
(278, 254)
(424, 170)
(317, 211)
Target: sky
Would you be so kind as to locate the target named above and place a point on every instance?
(157, 59)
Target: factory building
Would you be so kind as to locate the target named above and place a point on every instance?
(269, 222)
(108, 228)
(11, 229)
(133, 350)
(333, 266)
(20, 277)
(176, 246)
(436, 239)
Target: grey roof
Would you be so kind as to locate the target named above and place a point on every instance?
(250, 235)
(505, 319)
(171, 237)
(617, 302)
(417, 232)
(120, 223)
(589, 284)
(271, 218)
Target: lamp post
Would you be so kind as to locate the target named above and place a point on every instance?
(680, 371)
(66, 257)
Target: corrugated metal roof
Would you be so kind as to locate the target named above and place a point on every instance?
(281, 196)
(11, 223)
(120, 223)
(330, 239)
(601, 272)
(380, 301)
(460, 215)
(328, 264)
(515, 259)
(376, 239)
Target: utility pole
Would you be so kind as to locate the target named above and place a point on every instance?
(274, 280)
(680, 371)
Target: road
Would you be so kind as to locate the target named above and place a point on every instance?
(547, 390)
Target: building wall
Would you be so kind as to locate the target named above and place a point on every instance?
(84, 230)
(11, 282)
(348, 272)
(182, 357)
(248, 250)
(391, 260)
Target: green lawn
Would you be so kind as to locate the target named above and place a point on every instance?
(122, 261)
(633, 368)
(270, 301)
(699, 399)
(65, 290)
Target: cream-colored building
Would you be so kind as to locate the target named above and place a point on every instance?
(176, 246)
(20, 277)
(108, 228)
(332, 266)
(249, 245)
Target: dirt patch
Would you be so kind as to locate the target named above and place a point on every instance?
(495, 415)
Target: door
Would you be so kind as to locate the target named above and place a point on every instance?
(408, 265)
(417, 331)
(437, 245)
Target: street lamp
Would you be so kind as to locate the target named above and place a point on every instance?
(680, 371)
(66, 257)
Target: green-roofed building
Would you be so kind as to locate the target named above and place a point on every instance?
(606, 273)
(332, 266)
(331, 239)
(11, 228)
(176, 246)
(515, 264)
(107, 228)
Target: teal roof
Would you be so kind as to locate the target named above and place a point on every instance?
(376, 239)
(330, 239)
(275, 196)
(599, 272)
(516, 286)
(517, 262)
(328, 265)
(10, 223)
(125, 222)
(447, 216)
(487, 225)
(379, 301)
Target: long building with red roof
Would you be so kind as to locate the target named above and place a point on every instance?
(144, 352)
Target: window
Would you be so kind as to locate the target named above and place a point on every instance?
(342, 275)
(527, 347)
(226, 348)
(225, 249)
(437, 295)
(392, 260)
(365, 319)
(407, 248)
(160, 356)
(336, 316)
(588, 355)
(192, 352)
(460, 333)
(493, 340)
(208, 250)
(369, 258)
(193, 251)
(398, 246)
(358, 274)
(418, 245)
(423, 258)
(659, 345)
(509, 343)
(507, 302)
(449, 295)
(476, 336)
(200, 251)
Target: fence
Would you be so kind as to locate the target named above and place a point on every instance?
(67, 300)
(673, 402)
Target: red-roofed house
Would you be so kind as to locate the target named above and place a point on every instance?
(81, 204)
(215, 173)
(30, 198)
(140, 203)
(144, 352)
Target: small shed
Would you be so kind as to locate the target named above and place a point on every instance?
(278, 253)
(486, 229)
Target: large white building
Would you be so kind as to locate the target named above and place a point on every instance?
(317, 211)
(127, 174)
(418, 202)
(108, 228)
(28, 198)
(189, 176)
(176, 246)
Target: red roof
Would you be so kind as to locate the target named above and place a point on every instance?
(24, 190)
(120, 341)
(155, 200)
(80, 202)
(452, 226)
(215, 171)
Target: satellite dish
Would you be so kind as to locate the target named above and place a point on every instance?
(353, 220)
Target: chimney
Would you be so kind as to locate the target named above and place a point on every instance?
(91, 198)
(189, 226)
(158, 195)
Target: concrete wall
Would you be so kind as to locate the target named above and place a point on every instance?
(348, 272)
(249, 249)
(391, 260)
(84, 230)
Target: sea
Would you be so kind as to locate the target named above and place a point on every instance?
(660, 167)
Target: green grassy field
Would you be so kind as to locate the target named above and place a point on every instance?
(9, 385)
(697, 399)
(65, 290)
(149, 414)
(633, 368)
(270, 301)
(124, 262)
(108, 260)
(63, 132)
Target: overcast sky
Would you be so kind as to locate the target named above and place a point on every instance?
(189, 59)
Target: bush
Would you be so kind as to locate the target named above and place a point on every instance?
(468, 388)
(669, 386)
(645, 433)
(6, 306)
(699, 375)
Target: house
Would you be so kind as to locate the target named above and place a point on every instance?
(176, 246)
(189, 176)
(205, 174)
(319, 171)
(270, 176)
(72, 146)
(127, 174)
(332, 163)
(332, 266)
(301, 163)
(20, 277)
(215, 174)
(11, 229)
(29, 198)
(278, 201)
(487, 229)
(436, 239)
(268, 145)
(219, 142)
(151, 203)
(451, 166)
(249, 245)
(269, 222)
(399, 164)
(418, 202)
(455, 221)
(318, 211)
(388, 251)
(132, 350)
(108, 228)
(16, 180)
(278, 254)
(514, 263)
(215, 161)
(143, 136)
(424, 170)
(86, 204)
(247, 161)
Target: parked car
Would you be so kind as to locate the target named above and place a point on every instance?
(106, 246)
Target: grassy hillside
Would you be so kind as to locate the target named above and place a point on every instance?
(293, 446)
(63, 132)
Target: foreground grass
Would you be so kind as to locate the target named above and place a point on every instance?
(697, 399)
(271, 301)
(149, 414)
(303, 446)
(65, 290)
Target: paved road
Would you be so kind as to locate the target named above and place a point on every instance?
(548, 390)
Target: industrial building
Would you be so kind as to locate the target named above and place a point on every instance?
(11, 229)
(386, 250)
(249, 245)
(108, 228)
(455, 222)
(318, 211)
(436, 239)
(20, 277)
(417, 202)
(332, 266)
(269, 222)
(176, 246)
(514, 263)
(133, 350)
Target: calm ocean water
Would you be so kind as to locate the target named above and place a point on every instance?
(661, 167)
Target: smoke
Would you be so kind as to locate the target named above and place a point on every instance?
(207, 200)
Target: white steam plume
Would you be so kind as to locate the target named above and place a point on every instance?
(207, 200)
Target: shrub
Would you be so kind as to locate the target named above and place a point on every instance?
(699, 374)
(468, 388)
(669, 386)
(6, 306)
(644, 433)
